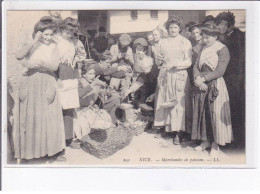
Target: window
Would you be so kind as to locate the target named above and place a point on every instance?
(134, 15)
(154, 14)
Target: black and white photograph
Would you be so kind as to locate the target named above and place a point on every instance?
(129, 95)
(126, 87)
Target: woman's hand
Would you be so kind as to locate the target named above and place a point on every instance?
(96, 89)
(127, 57)
(160, 57)
(120, 56)
(124, 68)
(126, 93)
(11, 120)
(34, 64)
(151, 98)
(98, 82)
(198, 81)
(37, 36)
(203, 87)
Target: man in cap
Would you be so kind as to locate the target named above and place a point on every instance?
(196, 35)
(234, 76)
(122, 54)
(122, 51)
(188, 34)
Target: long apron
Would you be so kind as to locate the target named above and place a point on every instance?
(177, 118)
(66, 72)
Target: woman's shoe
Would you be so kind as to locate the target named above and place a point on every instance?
(203, 146)
(214, 150)
(61, 158)
(176, 140)
(75, 145)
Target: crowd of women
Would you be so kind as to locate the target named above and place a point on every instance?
(188, 82)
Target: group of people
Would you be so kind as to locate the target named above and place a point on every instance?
(188, 83)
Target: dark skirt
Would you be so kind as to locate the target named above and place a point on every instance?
(202, 125)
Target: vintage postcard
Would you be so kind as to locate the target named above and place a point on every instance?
(111, 87)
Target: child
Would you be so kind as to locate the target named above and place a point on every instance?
(166, 100)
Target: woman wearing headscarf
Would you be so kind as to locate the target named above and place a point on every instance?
(173, 108)
(211, 115)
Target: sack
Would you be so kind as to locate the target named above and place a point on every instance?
(89, 118)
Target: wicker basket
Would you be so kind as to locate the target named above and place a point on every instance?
(138, 131)
(105, 143)
(137, 127)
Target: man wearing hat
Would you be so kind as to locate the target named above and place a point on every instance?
(234, 76)
(187, 34)
(122, 54)
(122, 51)
(196, 35)
(100, 42)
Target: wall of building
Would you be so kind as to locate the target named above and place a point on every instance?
(188, 15)
(121, 22)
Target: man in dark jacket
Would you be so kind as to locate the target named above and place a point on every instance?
(234, 76)
(101, 42)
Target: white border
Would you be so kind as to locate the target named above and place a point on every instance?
(14, 174)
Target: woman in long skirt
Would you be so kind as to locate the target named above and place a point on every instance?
(211, 115)
(39, 128)
(173, 107)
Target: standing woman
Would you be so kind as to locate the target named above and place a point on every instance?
(175, 56)
(71, 51)
(38, 133)
(211, 116)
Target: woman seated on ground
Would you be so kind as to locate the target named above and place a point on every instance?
(90, 88)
